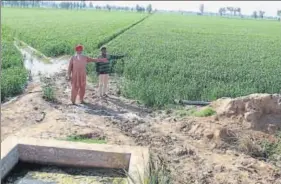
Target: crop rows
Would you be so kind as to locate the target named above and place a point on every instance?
(56, 32)
(199, 58)
(13, 74)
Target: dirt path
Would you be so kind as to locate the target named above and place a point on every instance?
(186, 144)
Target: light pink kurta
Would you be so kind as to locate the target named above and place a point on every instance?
(77, 66)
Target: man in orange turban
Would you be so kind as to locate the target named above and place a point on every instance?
(77, 73)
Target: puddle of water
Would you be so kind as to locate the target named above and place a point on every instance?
(38, 66)
(25, 173)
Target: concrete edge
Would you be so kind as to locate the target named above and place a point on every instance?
(9, 155)
(76, 145)
(133, 159)
(73, 157)
(139, 166)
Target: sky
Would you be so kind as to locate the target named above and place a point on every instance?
(247, 7)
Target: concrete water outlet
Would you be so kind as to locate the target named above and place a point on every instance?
(74, 155)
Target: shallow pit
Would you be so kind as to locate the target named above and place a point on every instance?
(66, 158)
(27, 173)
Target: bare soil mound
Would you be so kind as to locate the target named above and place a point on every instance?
(261, 111)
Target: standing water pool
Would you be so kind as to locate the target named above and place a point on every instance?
(26, 173)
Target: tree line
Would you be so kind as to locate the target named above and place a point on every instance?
(73, 5)
(237, 11)
(279, 14)
(231, 10)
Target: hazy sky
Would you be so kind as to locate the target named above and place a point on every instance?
(247, 7)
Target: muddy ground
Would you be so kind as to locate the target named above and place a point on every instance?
(196, 150)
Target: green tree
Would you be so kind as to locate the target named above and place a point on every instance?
(239, 11)
(279, 14)
(261, 14)
(201, 9)
(230, 9)
(149, 8)
(91, 5)
(108, 7)
(222, 11)
(255, 14)
(137, 8)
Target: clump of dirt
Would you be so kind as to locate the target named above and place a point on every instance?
(262, 111)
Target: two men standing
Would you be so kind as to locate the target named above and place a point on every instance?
(77, 72)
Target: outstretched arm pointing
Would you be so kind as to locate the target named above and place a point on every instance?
(96, 59)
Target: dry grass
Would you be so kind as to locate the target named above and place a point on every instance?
(157, 173)
(250, 146)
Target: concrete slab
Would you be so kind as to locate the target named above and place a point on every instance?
(9, 155)
(74, 154)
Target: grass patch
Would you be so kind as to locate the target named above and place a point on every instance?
(13, 82)
(268, 149)
(205, 112)
(21, 44)
(272, 149)
(48, 89)
(157, 173)
(185, 112)
(40, 56)
(49, 94)
(250, 146)
(208, 111)
(80, 138)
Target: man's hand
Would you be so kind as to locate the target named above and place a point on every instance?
(68, 78)
(103, 59)
(97, 60)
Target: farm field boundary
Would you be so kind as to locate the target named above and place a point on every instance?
(112, 37)
(91, 67)
(54, 33)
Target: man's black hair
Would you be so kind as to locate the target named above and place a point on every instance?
(103, 48)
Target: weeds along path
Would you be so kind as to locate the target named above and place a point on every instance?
(188, 145)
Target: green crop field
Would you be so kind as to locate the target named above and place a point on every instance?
(56, 32)
(13, 75)
(199, 58)
(168, 56)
